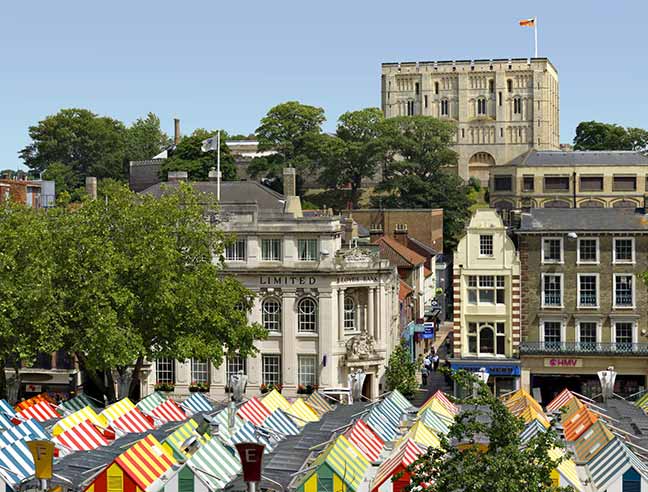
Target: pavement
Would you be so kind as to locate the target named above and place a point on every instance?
(436, 381)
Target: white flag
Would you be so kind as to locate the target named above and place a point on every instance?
(210, 144)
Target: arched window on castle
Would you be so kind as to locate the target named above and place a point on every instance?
(517, 105)
(481, 106)
(445, 107)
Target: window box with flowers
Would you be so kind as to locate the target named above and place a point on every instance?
(166, 387)
(198, 387)
(267, 388)
(307, 389)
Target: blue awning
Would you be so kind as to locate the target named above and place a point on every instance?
(492, 369)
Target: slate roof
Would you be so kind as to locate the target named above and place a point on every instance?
(557, 158)
(231, 192)
(583, 219)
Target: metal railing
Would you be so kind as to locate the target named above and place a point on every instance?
(552, 348)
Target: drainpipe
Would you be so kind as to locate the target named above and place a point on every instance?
(574, 175)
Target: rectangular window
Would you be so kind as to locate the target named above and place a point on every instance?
(624, 183)
(624, 250)
(503, 183)
(588, 250)
(436, 87)
(528, 183)
(587, 290)
(623, 290)
(417, 88)
(556, 183)
(499, 98)
(551, 290)
(236, 251)
(425, 98)
(444, 107)
(623, 335)
(587, 335)
(552, 335)
(472, 338)
(307, 370)
(235, 365)
(591, 183)
(552, 250)
(308, 249)
(486, 289)
(271, 369)
(485, 245)
(271, 249)
(199, 371)
(501, 339)
(165, 370)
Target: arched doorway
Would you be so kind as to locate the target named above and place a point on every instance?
(479, 166)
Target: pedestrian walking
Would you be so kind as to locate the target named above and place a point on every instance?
(424, 375)
(435, 362)
(448, 375)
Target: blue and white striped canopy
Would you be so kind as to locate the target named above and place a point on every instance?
(437, 422)
(389, 409)
(197, 403)
(281, 423)
(249, 433)
(223, 425)
(613, 461)
(381, 425)
(29, 430)
(18, 459)
(6, 413)
(399, 400)
(531, 430)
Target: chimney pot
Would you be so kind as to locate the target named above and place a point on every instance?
(176, 176)
(91, 187)
(176, 131)
(400, 233)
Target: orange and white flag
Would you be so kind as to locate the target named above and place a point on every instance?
(528, 22)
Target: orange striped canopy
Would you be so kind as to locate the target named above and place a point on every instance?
(145, 461)
(578, 423)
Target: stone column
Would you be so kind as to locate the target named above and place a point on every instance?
(370, 311)
(327, 338)
(341, 313)
(288, 342)
(382, 319)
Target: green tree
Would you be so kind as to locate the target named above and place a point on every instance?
(418, 161)
(145, 138)
(64, 177)
(89, 145)
(350, 156)
(401, 371)
(188, 156)
(26, 290)
(287, 130)
(595, 135)
(505, 465)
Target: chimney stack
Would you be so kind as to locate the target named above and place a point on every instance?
(293, 203)
(375, 232)
(400, 234)
(177, 176)
(91, 187)
(176, 131)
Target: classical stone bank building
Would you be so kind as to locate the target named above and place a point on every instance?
(330, 307)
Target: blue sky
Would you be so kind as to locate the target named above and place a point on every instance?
(224, 64)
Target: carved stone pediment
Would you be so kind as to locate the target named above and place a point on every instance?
(361, 347)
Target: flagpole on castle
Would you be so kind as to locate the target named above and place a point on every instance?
(218, 170)
(535, 32)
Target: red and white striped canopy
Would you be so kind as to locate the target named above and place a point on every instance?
(560, 400)
(39, 411)
(169, 411)
(443, 399)
(82, 437)
(401, 458)
(254, 411)
(366, 440)
(132, 421)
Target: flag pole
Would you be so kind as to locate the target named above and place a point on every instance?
(218, 171)
(535, 32)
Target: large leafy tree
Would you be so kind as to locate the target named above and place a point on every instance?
(287, 130)
(595, 135)
(401, 371)
(502, 464)
(145, 138)
(351, 155)
(188, 156)
(26, 289)
(418, 158)
(141, 283)
(81, 142)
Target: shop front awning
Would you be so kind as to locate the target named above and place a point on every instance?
(508, 369)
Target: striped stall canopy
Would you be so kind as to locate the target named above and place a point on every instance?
(145, 461)
(40, 411)
(611, 463)
(196, 403)
(391, 411)
(578, 423)
(440, 398)
(303, 412)
(213, 458)
(421, 435)
(254, 411)
(178, 437)
(435, 405)
(85, 413)
(77, 403)
(169, 411)
(522, 405)
(274, 400)
(126, 417)
(346, 463)
(18, 460)
(249, 433)
(566, 469)
(591, 442)
(148, 403)
(82, 437)
(28, 430)
(439, 423)
(5, 423)
(400, 459)
(281, 423)
(381, 425)
(399, 400)
(570, 408)
(531, 430)
(117, 409)
(22, 405)
(643, 401)
(366, 440)
(223, 424)
(319, 403)
(559, 401)
(6, 414)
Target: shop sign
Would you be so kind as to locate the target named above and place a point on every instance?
(563, 362)
(357, 279)
(33, 388)
(287, 280)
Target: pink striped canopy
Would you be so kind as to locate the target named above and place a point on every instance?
(169, 411)
(366, 440)
(82, 437)
(254, 411)
(39, 411)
